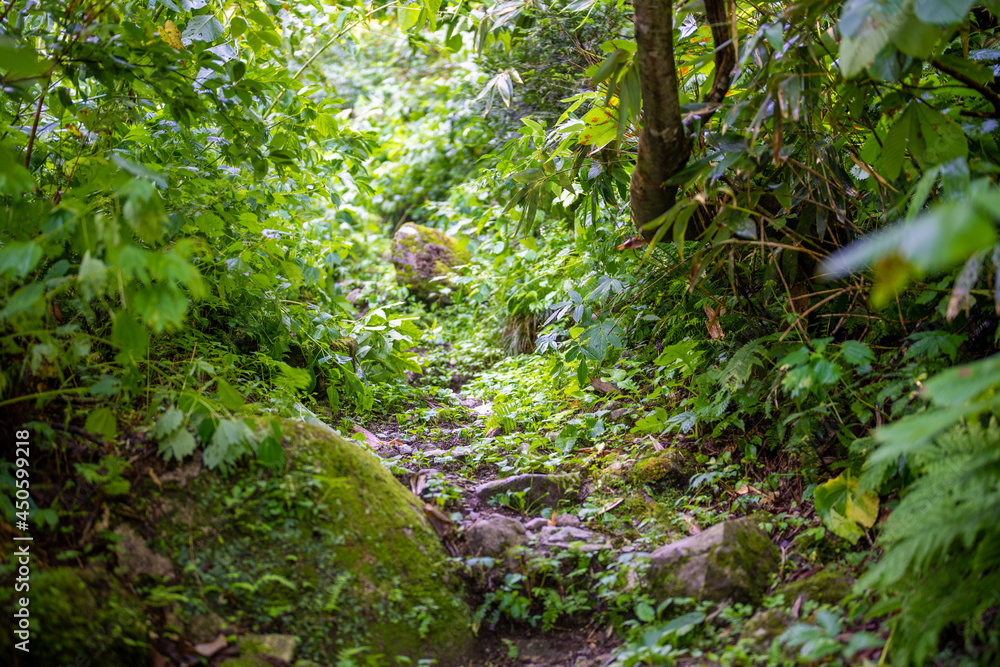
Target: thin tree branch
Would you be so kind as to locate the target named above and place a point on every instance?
(991, 96)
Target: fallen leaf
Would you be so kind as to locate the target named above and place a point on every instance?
(370, 438)
(715, 331)
(208, 649)
(610, 506)
(443, 525)
(602, 387)
(633, 243)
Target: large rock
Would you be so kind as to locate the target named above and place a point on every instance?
(828, 586)
(333, 550)
(495, 536)
(538, 489)
(729, 561)
(421, 255)
(572, 538)
(670, 468)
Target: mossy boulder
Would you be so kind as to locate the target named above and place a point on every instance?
(332, 549)
(75, 615)
(732, 560)
(422, 256)
(670, 468)
(765, 626)
(828, 586)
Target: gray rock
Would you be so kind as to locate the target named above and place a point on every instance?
(764, 626)
(621, 415)
(405, 450)
(539, 489)
(568, 520)
(279, 646)
(729, 561)
(204, 627)
(495, 536)
(568, 537)
(136, 558)
(536, 524)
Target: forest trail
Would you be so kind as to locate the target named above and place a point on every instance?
(431, 449)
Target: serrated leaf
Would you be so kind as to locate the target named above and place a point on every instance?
(177, 445)
(229, 442)
(171, 420)
(856, 353)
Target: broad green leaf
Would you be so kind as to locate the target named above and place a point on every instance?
(19, 60)
(867, 27)
(960, 384)
(529, 175)
(17, 259)
(92, 277)
(894, 147)
(943, 12)
(645, 612)
(202, 28)
(844, 508)
(27, 299)
(131, 337)
(230, 441)
(228, 395)
(856, 353)
(102, 422)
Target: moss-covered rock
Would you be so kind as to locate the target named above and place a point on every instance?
(74, 615)
(332, 550)
(730, 561)
(670, 468)
(828, 586)
(421, 255)
(765, 626)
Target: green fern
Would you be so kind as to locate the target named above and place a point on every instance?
(501, 415)
(741, 365)
(942, 543)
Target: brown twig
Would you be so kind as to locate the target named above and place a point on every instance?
(34, 124)
(991, 96)
(76, 430)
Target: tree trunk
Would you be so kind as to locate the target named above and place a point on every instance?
(664, 145)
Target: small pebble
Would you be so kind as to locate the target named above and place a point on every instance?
(405, 450)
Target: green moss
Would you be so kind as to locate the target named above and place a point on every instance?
(246, 661)
(417, 265)
(334, 551)
(829, 586)
(78, 613)
(671, 468)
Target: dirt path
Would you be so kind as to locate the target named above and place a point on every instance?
(431, 449)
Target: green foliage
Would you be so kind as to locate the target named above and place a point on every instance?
(944, 516)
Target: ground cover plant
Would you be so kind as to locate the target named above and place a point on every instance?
(499, 333)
